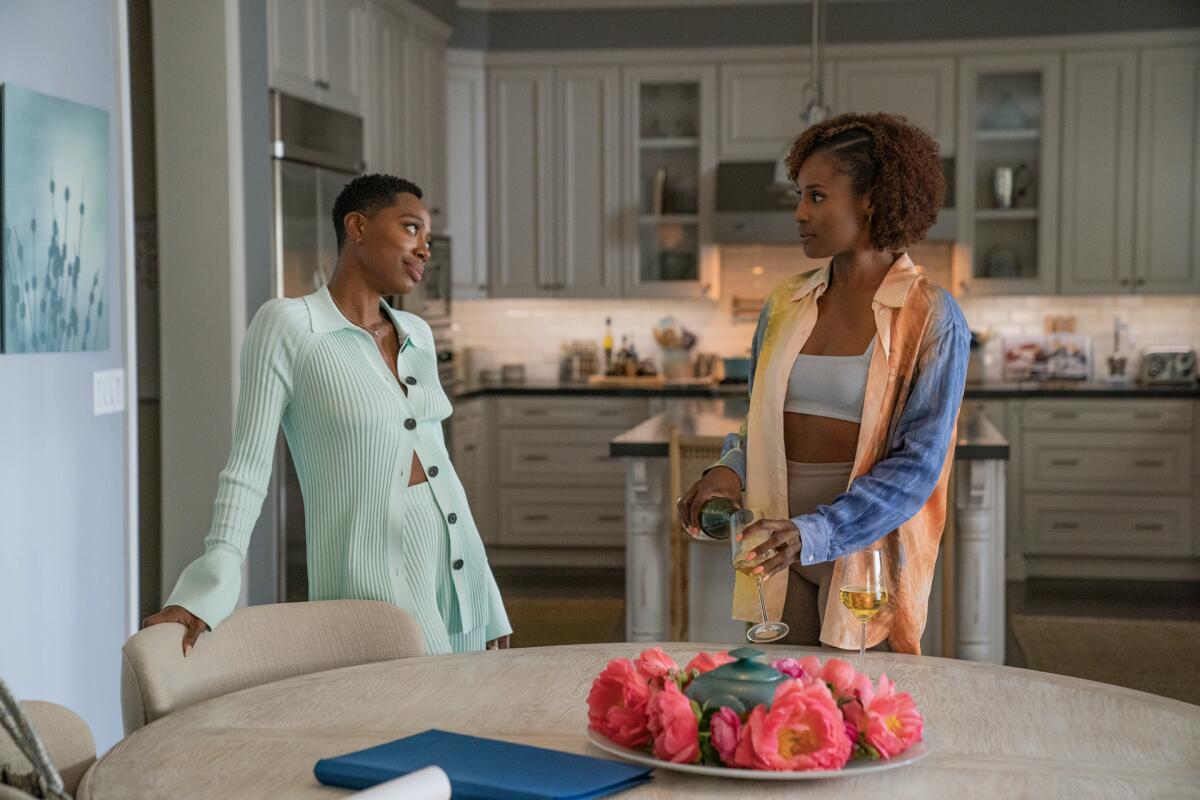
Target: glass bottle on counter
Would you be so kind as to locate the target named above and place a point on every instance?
(608, 345)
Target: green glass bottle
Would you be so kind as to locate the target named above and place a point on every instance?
(714, 516)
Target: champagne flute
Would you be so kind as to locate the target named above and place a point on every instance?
(864, 589)
(741, 519)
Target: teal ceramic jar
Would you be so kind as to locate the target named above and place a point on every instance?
(740, 684)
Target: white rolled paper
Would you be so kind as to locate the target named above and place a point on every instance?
(429, 783)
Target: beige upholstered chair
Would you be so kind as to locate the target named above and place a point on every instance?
(258, 645)
(688, 457)
(68, 742)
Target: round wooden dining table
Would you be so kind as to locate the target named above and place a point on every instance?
(992, 731)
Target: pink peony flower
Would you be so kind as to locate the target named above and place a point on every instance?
(617, 704)
(848, 683)
(726, 727)
(674, 726)
(790, 667)
(704, 662)
(803, 730)
(891, 720)
(656, 666)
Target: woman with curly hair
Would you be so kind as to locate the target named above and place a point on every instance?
(857, 375)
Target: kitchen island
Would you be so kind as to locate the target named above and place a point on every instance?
(966, 616)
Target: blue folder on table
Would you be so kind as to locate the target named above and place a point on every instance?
(484, 768)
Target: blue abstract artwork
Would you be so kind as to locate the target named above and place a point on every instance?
(54, 207)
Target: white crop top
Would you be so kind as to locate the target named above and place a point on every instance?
(829, 386)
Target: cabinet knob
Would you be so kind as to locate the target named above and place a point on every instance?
(1139, 282)
(321, 84)
(1124, 281)
(435, 211)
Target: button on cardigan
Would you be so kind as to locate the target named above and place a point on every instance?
(352, 432)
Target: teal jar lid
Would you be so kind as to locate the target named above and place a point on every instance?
(740, 685)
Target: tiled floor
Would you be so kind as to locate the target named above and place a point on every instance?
(1088, 598)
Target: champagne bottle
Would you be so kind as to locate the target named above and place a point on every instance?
(714, 516)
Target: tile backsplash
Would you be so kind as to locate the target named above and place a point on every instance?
(530, 332)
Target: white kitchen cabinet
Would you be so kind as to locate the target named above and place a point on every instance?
(555, 182)
(1008, 117)
(472, 452)
(1168, 171)
(1107, 487)
(382, 55)
(921, 89)
(313, 47)
(760, 109)
(561, 489)
(670, 163)
(1099, 119)
(519, 212)
(466, 173)
(587, 196)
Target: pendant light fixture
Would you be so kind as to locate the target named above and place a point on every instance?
(816, 110)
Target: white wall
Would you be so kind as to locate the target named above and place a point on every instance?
(65, 588)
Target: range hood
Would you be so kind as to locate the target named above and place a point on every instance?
(753, 209)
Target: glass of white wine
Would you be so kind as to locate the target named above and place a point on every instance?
(741, 519)
(864, 589)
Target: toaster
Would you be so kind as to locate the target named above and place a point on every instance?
(1168, 365)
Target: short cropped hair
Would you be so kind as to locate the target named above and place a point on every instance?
(367, 194)
(890, 158)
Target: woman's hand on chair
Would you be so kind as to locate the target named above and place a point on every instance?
(779, 550)
(193, 626)
(717, 482)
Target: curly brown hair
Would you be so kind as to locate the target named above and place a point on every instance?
(890, 158)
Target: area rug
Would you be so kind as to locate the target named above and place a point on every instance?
(1156, 656)
(542, 621)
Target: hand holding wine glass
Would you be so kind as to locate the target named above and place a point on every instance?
(747, 560)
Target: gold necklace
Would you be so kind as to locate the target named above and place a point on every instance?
(377, 333)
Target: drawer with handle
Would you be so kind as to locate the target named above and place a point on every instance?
(563, 518)
(609, 413)
(1107, 415)
(1108, 525)
(558, 458)
(1153, 463)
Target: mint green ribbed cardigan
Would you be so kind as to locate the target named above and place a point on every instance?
(352, 432)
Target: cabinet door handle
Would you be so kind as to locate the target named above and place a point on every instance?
(1148, 526)
(1124, 281)
(321, 84)
(1065, 526)
(1064, 414)
(535, 458)
(535, 517)
(468, 448)
(1148, 462)
(1140, 282)
(1064, 462)
(610, 518)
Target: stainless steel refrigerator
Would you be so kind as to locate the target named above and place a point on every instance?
(316, 151)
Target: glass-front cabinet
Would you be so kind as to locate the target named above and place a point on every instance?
(670, 159)
(1007, 181)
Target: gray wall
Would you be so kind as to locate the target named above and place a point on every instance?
(774, 24)
(62, 470)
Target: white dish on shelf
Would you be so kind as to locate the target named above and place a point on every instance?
(851, 770)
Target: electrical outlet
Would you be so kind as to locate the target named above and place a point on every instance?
(108, 391)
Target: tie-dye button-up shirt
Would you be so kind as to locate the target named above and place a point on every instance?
(902, 460)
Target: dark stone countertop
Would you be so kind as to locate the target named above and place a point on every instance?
(985, 391)
(978, 438)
